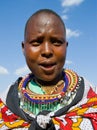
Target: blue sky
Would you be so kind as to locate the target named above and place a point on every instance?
(80, 17)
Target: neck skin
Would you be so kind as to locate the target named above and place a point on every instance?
(50, 83)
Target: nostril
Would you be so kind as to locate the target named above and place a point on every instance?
(47, 55)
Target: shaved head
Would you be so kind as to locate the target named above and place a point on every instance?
(43, 13)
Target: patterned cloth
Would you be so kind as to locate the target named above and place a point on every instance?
(82, 116)
(9, 120)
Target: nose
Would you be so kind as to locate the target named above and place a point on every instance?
(47, 50)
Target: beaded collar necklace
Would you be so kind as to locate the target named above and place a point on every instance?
(33, 101)
(51, 89)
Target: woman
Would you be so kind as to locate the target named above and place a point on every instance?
(50, 97)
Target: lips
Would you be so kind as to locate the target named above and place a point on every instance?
(47, 65)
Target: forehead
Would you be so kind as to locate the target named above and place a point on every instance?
(44, 22)
(43, 19)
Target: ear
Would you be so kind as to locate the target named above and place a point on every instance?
(67, 44)
(22, 44)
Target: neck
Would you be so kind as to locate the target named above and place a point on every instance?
(50, 83)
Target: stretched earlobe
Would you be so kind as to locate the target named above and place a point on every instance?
(22, 44)
(67, 44)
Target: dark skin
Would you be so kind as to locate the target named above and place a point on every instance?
(44, 48)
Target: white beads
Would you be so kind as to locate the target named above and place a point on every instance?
(43, 120)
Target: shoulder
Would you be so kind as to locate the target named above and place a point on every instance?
(89, 87)
(4, 94)
(86, 83)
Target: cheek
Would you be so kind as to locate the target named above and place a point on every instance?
(32, 53)
(61, 55)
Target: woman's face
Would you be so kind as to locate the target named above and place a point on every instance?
(45, 47)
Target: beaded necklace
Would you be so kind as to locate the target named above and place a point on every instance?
(51, 89)
(33, 102)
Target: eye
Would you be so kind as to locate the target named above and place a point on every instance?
(56, 42)
(36, 42)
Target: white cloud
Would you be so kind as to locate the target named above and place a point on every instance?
(68, 3)
(22, 70)
(66, 10)
(70, 33)
(3, 70)
(68, 62)
(64, 17)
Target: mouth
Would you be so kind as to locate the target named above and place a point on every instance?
(48, 65)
